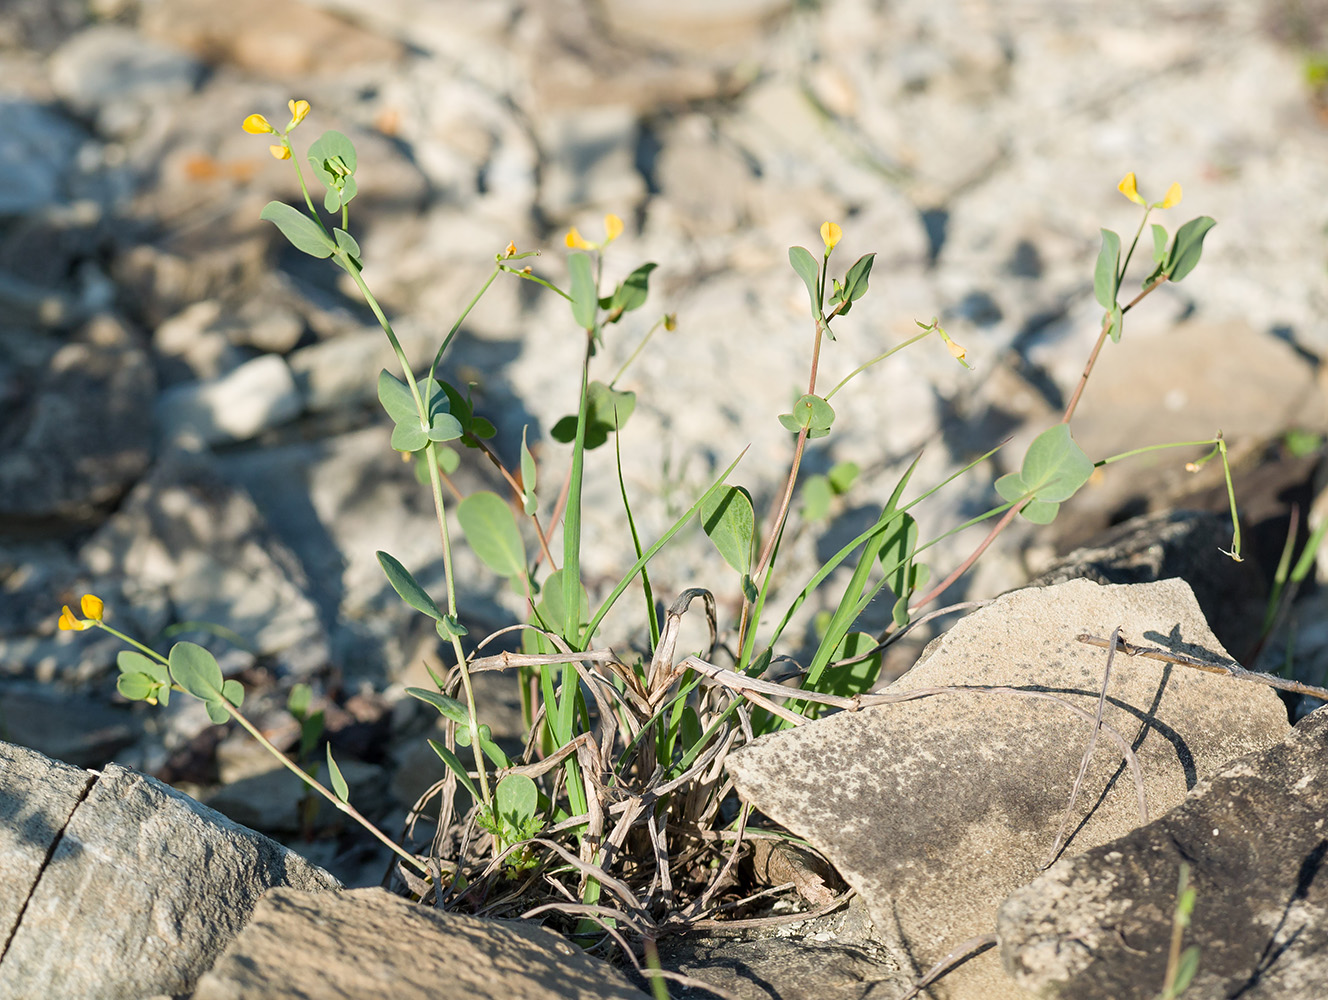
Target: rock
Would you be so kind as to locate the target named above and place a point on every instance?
(82, 731)
(83, 433)
(936, 809)
(1182, 544)
(109, 73)
(186, 534)
(257, 396)
(401, 950)
(270, 801)
(37, 148)
(276, 39)
(1099, 925)
(120, 887)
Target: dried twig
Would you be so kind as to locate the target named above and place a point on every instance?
(972, 946)
(1088, 753)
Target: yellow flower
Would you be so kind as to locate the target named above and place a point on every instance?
(92, 608)
(511, 249)
(298, 109)
(280, 152)
(830, 234)
(1130, 188)
(670, 321)
(257, 125)
(613, 227)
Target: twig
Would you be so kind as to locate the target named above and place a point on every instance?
(1233, 670)
(972, 946)
(1088, 753)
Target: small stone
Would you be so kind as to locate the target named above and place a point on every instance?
(257, 396)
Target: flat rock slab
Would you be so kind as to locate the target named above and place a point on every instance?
(116, 886)
(387, 947)
(936, 809)
(1097, 927)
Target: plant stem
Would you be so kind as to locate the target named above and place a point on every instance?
(435, 484)
(1097, 348)
(962, 568)
(345, 807)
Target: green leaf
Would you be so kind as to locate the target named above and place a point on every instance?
(855, 282)
(216, 711)
(450, 708)
(332, 157)
(298, 701)
(516, 799)
(233, 692)
(1186, 969)
(456, 767)
(727, 518)
(1188, 247)
(810, 273)
(896, 555)
(816, 496)
(849, 679)
(396, 398)
(1159, 243)
(1106, 275)
(607, 410)
(814, 413)
(553, 602)
(409, 436)
(135, 686)
(136, 663)
(346, 243)
(790, 423)
(449, 628)
(842, 476)
(490, 527)
(406, 587)
(339, 788)
(482, 428)
(303, 233)
(1115, 321)
(584, 302)
(445, 427)
(1053, 471)
(632, 293)
(196, 670)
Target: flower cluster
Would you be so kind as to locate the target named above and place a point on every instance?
(613, 227)
(1130, 188)
(93, 611)
(258, 125)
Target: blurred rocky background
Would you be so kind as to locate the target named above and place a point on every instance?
(188, 421)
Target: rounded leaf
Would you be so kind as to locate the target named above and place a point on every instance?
(517, 799)
(304, 234)
(135, 686)
(490, 528)
(196, 670)
(727, 518)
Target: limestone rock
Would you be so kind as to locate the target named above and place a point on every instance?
(401, 951)
(935, 809)
(258, 395)
(1098, 926)
(133, 894)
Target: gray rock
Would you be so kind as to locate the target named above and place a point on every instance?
(936, 809)
(135, 893)
(401, 950)
(80, 730)
(111, 74)
(37, 147)
(1183, 544)
(1098, 926)
(258, 395)
(186, 534)
(83, 434)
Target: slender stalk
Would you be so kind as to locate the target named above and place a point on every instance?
(963, 567)
(1097, 348)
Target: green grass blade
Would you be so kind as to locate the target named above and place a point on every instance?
(649, 553)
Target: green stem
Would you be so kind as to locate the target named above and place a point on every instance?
(435, 484)
(132, 642)
(876, 360)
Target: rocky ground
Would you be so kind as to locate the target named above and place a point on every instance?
(188, 425)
